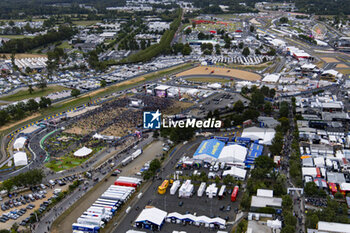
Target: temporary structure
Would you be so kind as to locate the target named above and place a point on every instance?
(82, 152)
(19, 143)
(20, 159)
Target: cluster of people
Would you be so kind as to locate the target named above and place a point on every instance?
(116, 118)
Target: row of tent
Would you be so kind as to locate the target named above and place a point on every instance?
(196, 220)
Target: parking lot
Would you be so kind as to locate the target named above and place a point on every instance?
(218, 102)
(210, 207)
(20, 206)
(198, 206)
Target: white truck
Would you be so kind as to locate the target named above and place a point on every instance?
(174, 187)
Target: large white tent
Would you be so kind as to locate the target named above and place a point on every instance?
(152, 215)
(20, 159)
(19, 143)
(236, 172)
(264, 135)
(197, 219)
(82, 152)
(233, 153)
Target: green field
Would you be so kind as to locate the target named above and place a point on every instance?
(15, 36)
(65, 163)
(65, 45)
(24, 94)
(86, 22)
(208, 80)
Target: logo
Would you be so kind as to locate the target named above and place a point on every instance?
(151, 120)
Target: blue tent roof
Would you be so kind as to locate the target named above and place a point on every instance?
(211, 147)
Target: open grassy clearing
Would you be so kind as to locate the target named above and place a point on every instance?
(344, 71)
(24, 94)
(15, 36)
(208, 80)
(86, 22)
(65, 45)
(22, 55)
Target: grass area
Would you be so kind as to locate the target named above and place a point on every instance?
(65, 45)
(22, 55)
(344, 71)
(24, 94)
(86, 22)
(65, 163)
(209, 80)
(63, 106)
(20, 20)
(15, 36)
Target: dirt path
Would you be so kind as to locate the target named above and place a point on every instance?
(209, 70)
(149, 153)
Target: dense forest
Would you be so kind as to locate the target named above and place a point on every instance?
(27, 44)
(15, 9)
(322, 7)
(23, 8)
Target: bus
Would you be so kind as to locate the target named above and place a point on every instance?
(162, 188)
(234, 193)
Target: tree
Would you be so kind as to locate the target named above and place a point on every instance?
(75, 93)
(143, 44)
(251, 28)
(284, 20)
(267, 108)
(238, 106)
(188, 31)
(30, 89)
(284, 124)
(28, 70)
(32, 105)
(246, 52)
(103, 83)
(258, 99)
(42, 84)
(311, 221)
(228, 180)
(245, 203)
(257, 52)
(154, 165)
(287, 202)
(272, 93)
(240, 45)
(272, 52)
(156, 134)
(288, 229)
(310, 189)
(186, 50)
(44, 102)
(4, 116)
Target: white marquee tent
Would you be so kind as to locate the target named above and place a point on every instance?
(264, 135)
(153, 215)
(82, 152)
(19, 143)
(233, 153)
(20, 159)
